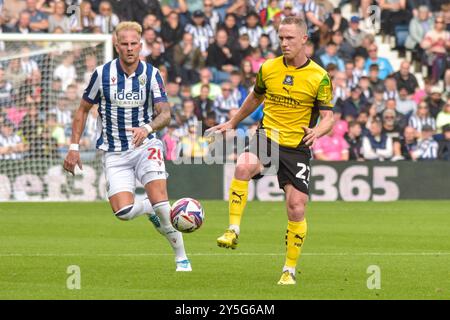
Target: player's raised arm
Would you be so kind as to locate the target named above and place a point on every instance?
(79, 122)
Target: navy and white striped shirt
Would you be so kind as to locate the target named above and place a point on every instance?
(124, 102)
(202, 35)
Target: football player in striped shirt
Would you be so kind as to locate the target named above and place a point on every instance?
(132, 107)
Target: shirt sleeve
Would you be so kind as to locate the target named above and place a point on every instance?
(325, 94)
(157, 88)
(92, 92)
(260, 87)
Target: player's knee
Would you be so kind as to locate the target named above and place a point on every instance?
(243, 172)
(296, 209)
(124, 213)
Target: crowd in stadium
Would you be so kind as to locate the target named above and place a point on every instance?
(209, 52)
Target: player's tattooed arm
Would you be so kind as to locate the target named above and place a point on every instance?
(161, 120)
(163, 116)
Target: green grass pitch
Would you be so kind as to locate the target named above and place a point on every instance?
(408, 240)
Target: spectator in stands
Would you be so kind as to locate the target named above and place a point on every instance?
(205, 78)
(222, 59)
(377, 145)
(436, 44)
(379, 102)
(354, 141)
(38, 19)
(187, 117)
(14, 73)
(252, 28)
(344, 50)
(201, 31)
(405, 145)
(351, 77)
(427, 148)
(353, 104)
(31, 128)
(170, 141)
(421, 118)
(405, 78)
(28, 64)
(57, 132)
(11, 145)
(390, 126)
(341, 90)
(152, 21)
(85, 22)
(256, 59)
(157, 58)
(23, 24)
(330, 56)
(363, 120)
(271, 31)
(66, 71)
(247, 75)
(434, 101)
(225, 102)
(171, 31)
(336, 21)
(193, 145)
(405, 105)
(390, 88)
(340, 127)
(106, 20)
(384, 65)
(62, 111)
(393, 13)
(203, 104)
(331, 147)
(211, 15)
(366, 90)
(232, 29)
(418, 27)
(443, 117)
(354, 35)
(264, 45)
(374, 78)
(6, 90)
(90, 63)
(244, 48)
(444, 144)
(188, 59)
(149, 36)
(173, 96)
(239, 90)
(400, 119)
(59, 18)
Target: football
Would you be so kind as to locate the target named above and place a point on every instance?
(187, 215)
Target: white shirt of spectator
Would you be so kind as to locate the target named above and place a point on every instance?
(427, 149)
(253, 33)
(10, 141)
(67, 75)
(106, 24)
(201, 34)
(28, 66)
(223, 105)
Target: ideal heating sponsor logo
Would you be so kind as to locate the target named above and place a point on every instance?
(128, 99)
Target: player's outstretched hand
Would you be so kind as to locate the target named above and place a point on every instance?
(72, 159)
(139, 135)
(219, 129)
(310, 136)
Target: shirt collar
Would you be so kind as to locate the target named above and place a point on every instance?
(136, 73)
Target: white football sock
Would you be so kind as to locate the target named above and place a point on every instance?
(165, 227)
(235, 228)
(135, 210)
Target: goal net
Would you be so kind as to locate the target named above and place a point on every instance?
(42, 78)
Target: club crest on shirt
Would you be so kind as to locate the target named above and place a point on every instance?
(142, 80)
(288, 80)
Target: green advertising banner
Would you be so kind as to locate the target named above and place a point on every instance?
(34, 180)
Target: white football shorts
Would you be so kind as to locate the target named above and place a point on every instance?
(145, 163)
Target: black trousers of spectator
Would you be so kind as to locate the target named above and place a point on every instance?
(389, 19)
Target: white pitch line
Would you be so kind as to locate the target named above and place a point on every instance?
(223, 254)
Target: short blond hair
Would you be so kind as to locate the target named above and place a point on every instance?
(299, 22)
(128, 25)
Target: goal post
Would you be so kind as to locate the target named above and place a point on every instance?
(42, 78)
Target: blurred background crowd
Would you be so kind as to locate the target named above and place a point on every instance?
(209, 51)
